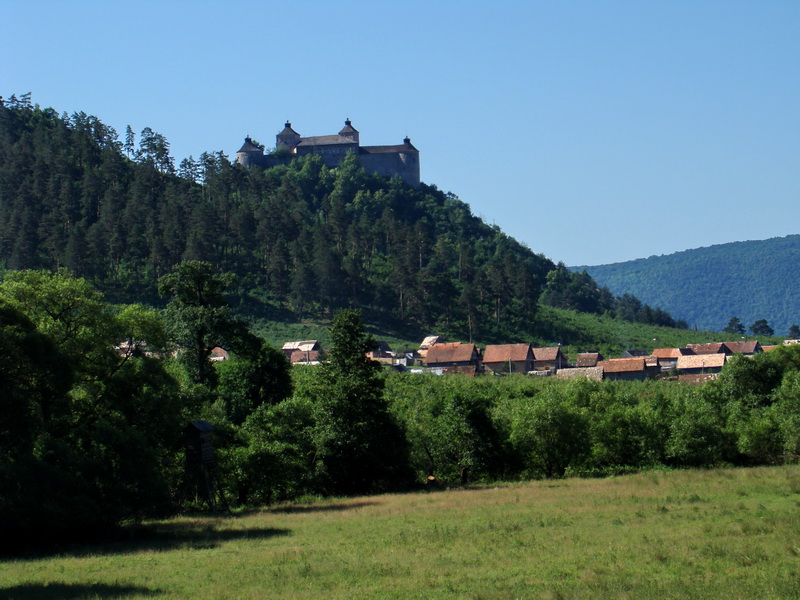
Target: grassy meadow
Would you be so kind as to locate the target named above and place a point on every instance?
(727, 533)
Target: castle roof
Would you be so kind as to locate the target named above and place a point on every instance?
(287, 130)
(348, 128)
(388, 149)
(325, 140)
(250, 146)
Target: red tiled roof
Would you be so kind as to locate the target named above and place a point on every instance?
(507, 352)
(712, 348)
(746, 347)
(701, 361)
(670, 352)
(450, 353)
(303, 356)
(589, 359)
(546, 353)
(218, 354)
(622, 365)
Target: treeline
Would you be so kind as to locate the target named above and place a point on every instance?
(578, 291)
(94, 419)
(301, 238)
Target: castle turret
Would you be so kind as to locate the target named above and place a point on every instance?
(288, 138)
(349, 133)
(249, 153)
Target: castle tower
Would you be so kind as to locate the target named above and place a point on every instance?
(409, 156)
(288, 138)
(249, 153)
(349, 133)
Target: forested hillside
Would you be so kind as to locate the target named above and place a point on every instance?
(303, 240)
(708, 286)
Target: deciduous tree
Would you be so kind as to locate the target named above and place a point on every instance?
(198, 315)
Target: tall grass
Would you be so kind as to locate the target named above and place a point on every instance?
(684, 534)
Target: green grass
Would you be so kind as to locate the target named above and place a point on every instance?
(685, 534)
(277, 333)
(577, 332)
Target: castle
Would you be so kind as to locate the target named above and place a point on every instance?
(388, 161)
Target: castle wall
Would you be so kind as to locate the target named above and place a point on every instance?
(404, 164)
(331, 154)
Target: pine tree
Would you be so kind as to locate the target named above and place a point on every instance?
(361, 446)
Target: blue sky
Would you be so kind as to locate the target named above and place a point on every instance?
(594, 132)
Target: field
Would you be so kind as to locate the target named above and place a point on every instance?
(728, 533)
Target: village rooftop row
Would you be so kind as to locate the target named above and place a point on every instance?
(694, 362)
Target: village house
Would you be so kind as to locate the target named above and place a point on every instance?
(629, 369)
(454, 358)
(712, 348)
(426, 344)
(701, 363)
(668, 357)
(381, 353)
(588, 359)
(218, 354)
(548, 359)
(303, 352)
(508, 358)
(748, 348)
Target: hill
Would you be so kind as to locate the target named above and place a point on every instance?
(707, 286)
(304, 240)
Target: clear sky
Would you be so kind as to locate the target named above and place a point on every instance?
(594, 132)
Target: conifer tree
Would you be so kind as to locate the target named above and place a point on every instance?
(361, 446)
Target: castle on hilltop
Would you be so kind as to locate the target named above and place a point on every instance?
(388, 161)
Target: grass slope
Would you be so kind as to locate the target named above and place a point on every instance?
(707, 286)
(576, 332)
(687, 534)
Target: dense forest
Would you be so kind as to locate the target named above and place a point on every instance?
(303, 240)
(709, 286)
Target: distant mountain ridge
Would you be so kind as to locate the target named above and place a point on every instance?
(707, 286)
